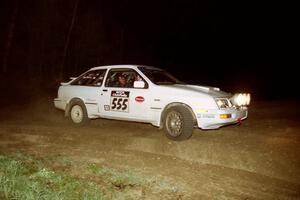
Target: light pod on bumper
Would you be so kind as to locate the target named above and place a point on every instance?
(241, 99)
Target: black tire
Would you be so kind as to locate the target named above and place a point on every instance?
(78, 113)
(178, 123)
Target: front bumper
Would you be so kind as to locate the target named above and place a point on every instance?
(212, 119)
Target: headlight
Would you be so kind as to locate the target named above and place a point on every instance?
(241, 99)
(223, 103)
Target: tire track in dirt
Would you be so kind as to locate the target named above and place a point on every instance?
(197, 166)
(225, 150)
(264, 161)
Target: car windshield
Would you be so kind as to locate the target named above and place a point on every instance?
(159, 77)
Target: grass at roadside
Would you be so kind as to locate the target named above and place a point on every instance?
(25, 177)
(30, 177)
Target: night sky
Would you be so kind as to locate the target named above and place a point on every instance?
(237, 45)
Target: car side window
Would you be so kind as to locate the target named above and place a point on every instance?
(91, 78)
(123, 78)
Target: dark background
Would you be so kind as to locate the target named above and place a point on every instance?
(237, 46)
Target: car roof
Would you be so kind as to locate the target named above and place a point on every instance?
(115, 66)
(122, 66)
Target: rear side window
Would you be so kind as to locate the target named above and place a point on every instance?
(91, 78)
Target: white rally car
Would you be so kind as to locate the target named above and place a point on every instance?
(151, 95)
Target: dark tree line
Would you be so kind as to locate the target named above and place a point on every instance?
(49, 40)
(36, 37)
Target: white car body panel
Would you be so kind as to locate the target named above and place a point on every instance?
(147, 105)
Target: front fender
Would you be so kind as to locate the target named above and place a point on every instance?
(173, 104)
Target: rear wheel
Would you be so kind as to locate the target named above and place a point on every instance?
(78, 113)
(178, 123)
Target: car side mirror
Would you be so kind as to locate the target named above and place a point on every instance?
(139, 84)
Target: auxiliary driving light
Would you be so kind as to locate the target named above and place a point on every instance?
(241, 99)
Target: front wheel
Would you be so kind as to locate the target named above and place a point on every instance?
(78, 114)
(178, 123)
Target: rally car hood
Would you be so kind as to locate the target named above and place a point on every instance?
(196, 89)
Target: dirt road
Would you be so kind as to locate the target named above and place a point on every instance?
(259, 159)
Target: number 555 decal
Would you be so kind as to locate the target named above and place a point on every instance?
(119, 101)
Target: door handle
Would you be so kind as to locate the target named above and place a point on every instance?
(104, 90)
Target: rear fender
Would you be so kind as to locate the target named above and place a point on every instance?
(68, 106)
